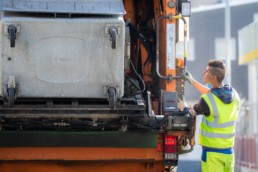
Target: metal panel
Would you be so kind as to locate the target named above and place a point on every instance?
(68, 6)
(63, 57)
(1, 56)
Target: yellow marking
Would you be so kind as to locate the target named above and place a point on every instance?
(248, 57)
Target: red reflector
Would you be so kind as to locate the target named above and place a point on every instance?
(170, 140)
(159, 147)
(170, 149)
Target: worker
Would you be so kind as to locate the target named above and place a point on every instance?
(220, 107)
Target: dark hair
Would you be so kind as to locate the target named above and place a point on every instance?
(218, 68)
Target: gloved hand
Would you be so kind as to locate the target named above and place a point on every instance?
(189, 78)
(181, 104)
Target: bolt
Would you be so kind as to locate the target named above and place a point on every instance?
(171, 4)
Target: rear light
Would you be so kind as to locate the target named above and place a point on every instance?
(170, 147)
(170, 140)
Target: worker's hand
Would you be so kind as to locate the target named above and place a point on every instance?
(189, 78)
(181, 105)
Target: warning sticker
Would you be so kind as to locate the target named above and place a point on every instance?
(171, 46)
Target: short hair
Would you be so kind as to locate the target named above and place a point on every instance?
(218, 68)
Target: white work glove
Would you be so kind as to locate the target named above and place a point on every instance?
(181, 105)
(189, 78)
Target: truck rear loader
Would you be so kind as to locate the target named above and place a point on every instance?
(93, 85)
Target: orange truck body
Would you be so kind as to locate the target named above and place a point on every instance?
(80, 159)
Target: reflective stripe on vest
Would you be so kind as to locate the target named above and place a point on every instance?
(216, 135)
(215, 123)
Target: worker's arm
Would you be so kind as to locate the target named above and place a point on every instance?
(201, 108)
(200, 87)
(182, 105)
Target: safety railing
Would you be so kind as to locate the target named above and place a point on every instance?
(246, 147)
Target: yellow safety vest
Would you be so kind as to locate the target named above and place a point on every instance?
(218, 129)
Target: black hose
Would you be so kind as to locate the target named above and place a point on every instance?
(143, 40)
(143, 84)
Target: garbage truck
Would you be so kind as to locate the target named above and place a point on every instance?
(93, 85)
